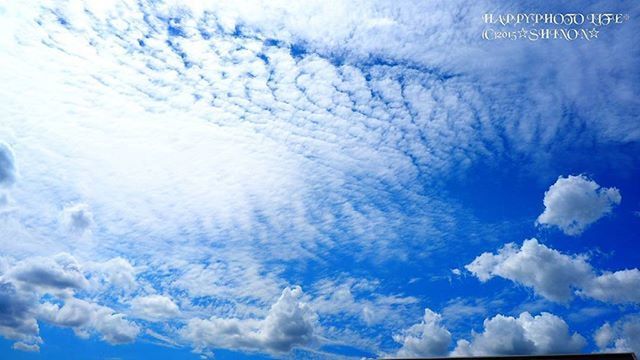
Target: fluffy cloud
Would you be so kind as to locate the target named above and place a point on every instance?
(117, 273)
(289, 323)
(505, 335)
(55, 274)
(25, 283)
(86, 317)
(622, 336)
(575, 202)
(17, 315)
(425, 339)
(154, 307)
(554, 275)
(617, 287)
(77, 217)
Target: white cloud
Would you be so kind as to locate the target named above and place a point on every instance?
(60, 273)
(86, 317)
(575, 202)
(77, 217)
(554, 275)
(425, 339)
(26, 347)
(116, 272)
(289, 323)
(230, 276)
(154, 307)
(17, 318)
(505, 335)
(622, 336)
(622, 286)
(24, 284)
(359, 298)
(461, 310)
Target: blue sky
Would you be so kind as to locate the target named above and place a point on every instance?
(315, 180)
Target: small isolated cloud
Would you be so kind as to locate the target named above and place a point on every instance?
(290, 323)
(77, 217)
(622, 336)
(505, 335)
(556, 276)
(427, 338)
(154, 307)
(26, 347)
(8, 171)
(575, 202)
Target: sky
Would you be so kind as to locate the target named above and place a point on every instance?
(317, 180)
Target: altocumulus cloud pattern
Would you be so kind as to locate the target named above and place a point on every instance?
(319, 179)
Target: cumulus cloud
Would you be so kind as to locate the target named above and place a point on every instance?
(154, 307)
(25, 283)
(289, 323)
(554, 275)
(59, 273)
(617, 287)
(17, 315)
(77, 217)
(622, 336)
(427, 338)
(505, 335)
(573, 203)
(86, 317)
